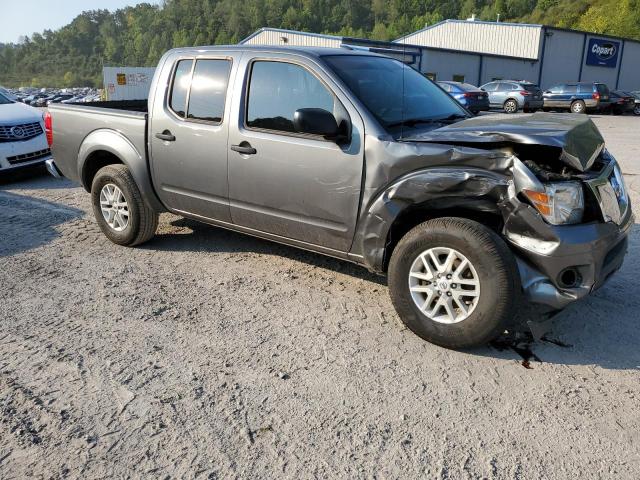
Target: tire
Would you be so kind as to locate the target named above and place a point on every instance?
(636, 109)
(578, 106)
(510, 106)
(141, 221)
(493, 264)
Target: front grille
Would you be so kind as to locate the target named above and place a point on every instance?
(17, 133)
(27, 157)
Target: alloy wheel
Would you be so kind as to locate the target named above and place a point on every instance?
(114, 207)
(444, 285)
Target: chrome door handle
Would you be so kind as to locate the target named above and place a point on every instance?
(244, 148)
(167, 136)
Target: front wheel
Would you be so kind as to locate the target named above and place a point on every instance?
(636, 109)
(454, 282)
(121, 212)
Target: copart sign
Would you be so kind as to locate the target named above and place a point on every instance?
(603, 52)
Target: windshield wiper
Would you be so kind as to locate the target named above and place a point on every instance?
(412, 122)
(451, 118)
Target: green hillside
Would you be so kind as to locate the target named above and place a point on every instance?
(74, 55)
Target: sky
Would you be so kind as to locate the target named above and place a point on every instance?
(24, 17)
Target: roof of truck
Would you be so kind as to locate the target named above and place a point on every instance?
(306, 51)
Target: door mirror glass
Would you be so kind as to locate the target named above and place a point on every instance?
(315, 121)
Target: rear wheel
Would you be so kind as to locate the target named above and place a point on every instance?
(454, 282)
(120, 211)
(510, 106)
(578, 107)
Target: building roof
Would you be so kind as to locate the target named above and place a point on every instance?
(518, 40)
(279, 36)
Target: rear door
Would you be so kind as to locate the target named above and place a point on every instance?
(501, 94)
(552, 96)
(301, 187)
(490, 88)
(188, 134)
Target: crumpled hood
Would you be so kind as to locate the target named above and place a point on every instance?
(577, 136)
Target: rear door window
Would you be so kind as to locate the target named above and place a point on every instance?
(278, 89)
(209, 90)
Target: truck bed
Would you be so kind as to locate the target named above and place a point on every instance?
(73, 123)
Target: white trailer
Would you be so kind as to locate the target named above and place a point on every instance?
(127, 83)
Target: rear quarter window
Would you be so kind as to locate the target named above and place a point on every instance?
(180, 87)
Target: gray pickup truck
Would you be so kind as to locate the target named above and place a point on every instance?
(357, 156)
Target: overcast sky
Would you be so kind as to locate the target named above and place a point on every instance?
(23, 17)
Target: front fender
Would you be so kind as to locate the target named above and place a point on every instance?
(432, 189)
(106, 140)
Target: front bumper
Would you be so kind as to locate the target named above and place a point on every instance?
(24, 154)
(591, 252)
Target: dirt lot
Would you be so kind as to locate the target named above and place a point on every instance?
(208, 354)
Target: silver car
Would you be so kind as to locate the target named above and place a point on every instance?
(512, 96)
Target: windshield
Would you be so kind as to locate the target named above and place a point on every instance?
(378, 84)
(4, 100)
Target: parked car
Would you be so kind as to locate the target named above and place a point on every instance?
(467, 95)
(622, 102)
(7, 94)
(466, 216)
(511, 96)
(22, 136)
(60, 98)
(577, 97)
(636, 108)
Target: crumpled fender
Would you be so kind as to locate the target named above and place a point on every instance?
(431, 189)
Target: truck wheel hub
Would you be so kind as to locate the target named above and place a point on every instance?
(444, 285)
(114, 207)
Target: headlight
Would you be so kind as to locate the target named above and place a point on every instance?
(561, 203)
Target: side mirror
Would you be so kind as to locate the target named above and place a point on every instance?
(316, 121)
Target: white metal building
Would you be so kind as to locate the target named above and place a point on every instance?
(478, 52)
(127, 83)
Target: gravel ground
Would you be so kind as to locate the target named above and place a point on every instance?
(208, 354)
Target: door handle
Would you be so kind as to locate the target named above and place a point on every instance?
(167, 136)
(245, 148)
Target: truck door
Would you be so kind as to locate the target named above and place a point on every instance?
(188, 134)
(301, 187)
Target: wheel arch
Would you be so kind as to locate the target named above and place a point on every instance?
(472, 193)
(107, 147)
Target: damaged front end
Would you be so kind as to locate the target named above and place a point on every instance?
(561, 196)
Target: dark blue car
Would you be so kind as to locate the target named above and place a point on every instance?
(467, 95)
(577, 97)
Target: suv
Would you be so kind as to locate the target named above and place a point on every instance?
(577, 97)
(512, 96)
(22, 136)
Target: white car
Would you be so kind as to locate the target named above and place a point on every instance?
(23, 136)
